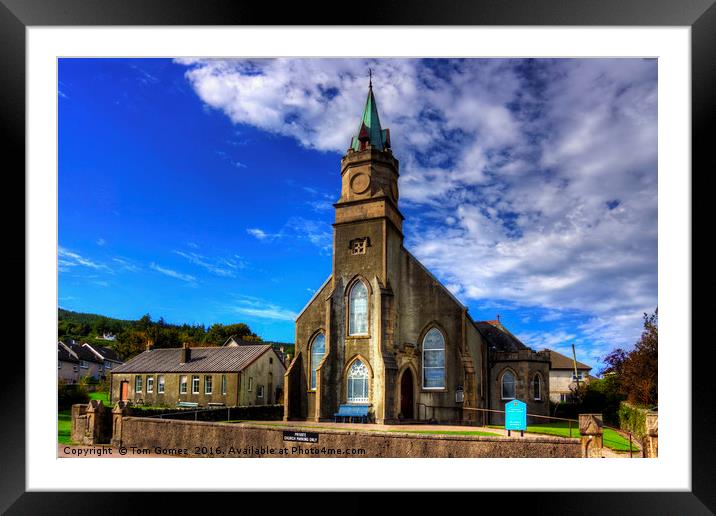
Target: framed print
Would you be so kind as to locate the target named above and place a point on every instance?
(432, 242)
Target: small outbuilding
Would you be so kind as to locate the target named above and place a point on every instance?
(249, 374)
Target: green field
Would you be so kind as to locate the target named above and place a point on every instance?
(102, 396)
(611, 438)
(64, 427)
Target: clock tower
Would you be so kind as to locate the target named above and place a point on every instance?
(369, 199)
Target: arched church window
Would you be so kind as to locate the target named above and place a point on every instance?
(537, 387)
(434, 360)
(508, 386)
(358, 309)
(357, 391)
(318, 351)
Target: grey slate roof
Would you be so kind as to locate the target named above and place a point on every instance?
(498, 338)
(83, 353)
(560, 361)
(64, 356)
(208, 360)
(107, 353)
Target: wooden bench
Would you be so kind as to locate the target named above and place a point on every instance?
(351, 411)
(187, 404)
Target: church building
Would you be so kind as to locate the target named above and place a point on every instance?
(383, 331)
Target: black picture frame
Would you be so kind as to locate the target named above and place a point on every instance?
(17, 15)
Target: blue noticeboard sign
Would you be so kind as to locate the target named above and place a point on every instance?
(515, 415)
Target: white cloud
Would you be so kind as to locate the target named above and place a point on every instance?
(224, 267)
(530, 182)
(258, 233)
(126, 264)
(260, 309)
(298, 228)
(172, 273)
(67, 259)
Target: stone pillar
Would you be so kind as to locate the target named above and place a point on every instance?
(79, 422)
(120, 410)
(591, 428)
(96, 429)
(651, 450)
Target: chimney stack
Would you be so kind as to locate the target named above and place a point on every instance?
(150, 345)
(185, 354)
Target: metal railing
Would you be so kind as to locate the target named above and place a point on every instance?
(572, 424)
(181, 413)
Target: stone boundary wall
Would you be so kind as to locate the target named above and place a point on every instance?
(251, 440)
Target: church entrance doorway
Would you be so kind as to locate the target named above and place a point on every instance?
(406, 395)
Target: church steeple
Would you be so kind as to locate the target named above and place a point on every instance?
(369, 176)
(370, 131)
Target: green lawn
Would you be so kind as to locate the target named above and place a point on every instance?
(64, 427)
(424, 432)
(445, 432)
(611, 438)
(102, 396)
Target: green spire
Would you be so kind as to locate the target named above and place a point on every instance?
(370, 130)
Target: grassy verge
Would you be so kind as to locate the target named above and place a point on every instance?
(424, 432)
(64, 427)
(611, 438)
(103, 396)
(446, 432)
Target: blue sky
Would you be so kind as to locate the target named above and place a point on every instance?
(202, 190)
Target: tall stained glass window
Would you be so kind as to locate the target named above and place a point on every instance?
(357, 383)
(318, 351)
(508, 386)
(434, 360)
(358, 316)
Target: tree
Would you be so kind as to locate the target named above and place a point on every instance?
(636, 371)
(640, 370)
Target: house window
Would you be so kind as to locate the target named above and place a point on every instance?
(150, 384)
(433, 360)
(75, 369)
(223, 384)
(160, 384)
(85, 365)
(577, 377)
(508, 386)
(138, 383)
(318, 351)
(564, 398)
(108, 365)
(260, 391)
(208, 384)
(195, 384)
(182, 385)
(251, 383)
(358, 309)
(357, 391)
(270, 360)
(537, 387)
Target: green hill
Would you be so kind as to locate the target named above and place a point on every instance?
(132, 336)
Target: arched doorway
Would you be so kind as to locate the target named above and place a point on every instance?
(406, 395)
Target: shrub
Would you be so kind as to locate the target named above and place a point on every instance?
(633, 419)
(71, 394)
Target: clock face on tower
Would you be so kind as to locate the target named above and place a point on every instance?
(360, 183)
